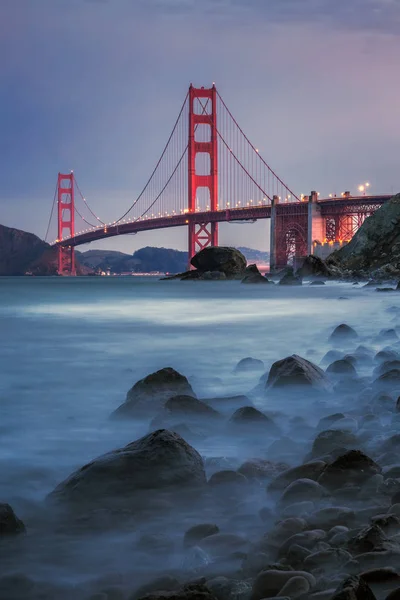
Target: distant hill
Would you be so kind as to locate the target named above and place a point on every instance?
(145, 260)
(254, 256)
(22, 252)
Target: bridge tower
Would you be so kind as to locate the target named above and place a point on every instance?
(66, 222)
(202, 111)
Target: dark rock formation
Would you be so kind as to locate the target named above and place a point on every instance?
(332, 439)
(376, 245)
(290, 278)
(314, 267)
(249, 364)
(253, 275)
(187, 405)
(354, 588)
(148, 395)
(343, 332)
(352, 467)
(248, 415)
(295, 370)
(219, 258)
(341, 367)
(158, 461)
(9, 522)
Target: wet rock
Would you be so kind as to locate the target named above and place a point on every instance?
(198, 532)
(369, 539)
(253, 275)
(269, 583)
(214, 276)
(343, 332)
(310, 470)
(250, 416)
(261, 469)
(330, 356)
(333, 439)
(389, 380)
(248, 365)
(394, 595)
(391, 444)
(307, 539)
(353, 467)
(9, 523)
(328, 560)
(191, 591)
(189, 406)
(149, 395)
(161, 460)
(325, 422)
(313, 266)
(328, 518)
(354, 588)
(388, 335)
(223, 544)
(386, 355)
(302, 489)
(294, 371)
(229, 261)
(341, 367)
(295, 587)
(282, 531)
(382, 575)
(317, 283)
(290, 278)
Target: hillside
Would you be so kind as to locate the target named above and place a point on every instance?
(145, 260)
(22, 252)
(375, 248)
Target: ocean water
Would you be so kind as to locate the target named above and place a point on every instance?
(70, 348)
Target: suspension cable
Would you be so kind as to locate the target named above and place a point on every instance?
(249, 142)
(84, 199)
(51, 213)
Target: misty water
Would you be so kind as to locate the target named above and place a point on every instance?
(72, 347)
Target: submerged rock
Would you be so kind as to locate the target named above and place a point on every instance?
(198, 532)
(343, 332)
(187, 405)
(295, 370)
(9, 522)
(161, 460)
(148, 395)
(352, 467)
(290, 278)
(249, 364)
(253, 275)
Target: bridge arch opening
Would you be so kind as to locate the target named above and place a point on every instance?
(203, 163)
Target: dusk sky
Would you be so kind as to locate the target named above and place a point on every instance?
(96, 85)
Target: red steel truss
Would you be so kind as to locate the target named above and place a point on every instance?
(66, 221)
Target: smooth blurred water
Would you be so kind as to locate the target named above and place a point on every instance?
(71, 348)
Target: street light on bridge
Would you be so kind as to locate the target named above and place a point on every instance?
(363, 188)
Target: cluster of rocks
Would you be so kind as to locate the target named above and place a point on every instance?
(307, 509)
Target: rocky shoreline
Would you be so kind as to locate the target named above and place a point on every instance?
(309, 508)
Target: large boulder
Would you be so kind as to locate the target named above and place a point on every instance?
(313, 266)
(9, 522)
(295, 370)
(220, 258)
(149, 395)
(352, 467)
(354, 588)
(159, 461)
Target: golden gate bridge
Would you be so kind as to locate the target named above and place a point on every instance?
(209, 172)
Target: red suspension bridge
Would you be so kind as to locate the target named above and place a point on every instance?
(209, 172)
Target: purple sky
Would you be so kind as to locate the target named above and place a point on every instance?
(95, 86)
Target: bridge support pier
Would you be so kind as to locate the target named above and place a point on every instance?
(66, 221)
(315, 229)
(272, 237)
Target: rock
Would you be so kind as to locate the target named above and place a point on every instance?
(353, 466)
(295, 370)
(150, 394)
(191, 591)
(341, 367)
(383, 575)
(386, 355)
(343, 332)
(270, 582)
(389, 380)
(253, 275)
(258, 468)
(220, 544)
(313, 266)
(9, 522)
(249, 364)
(370, 539)
(161, 460)
(198, 532)
(227, 477)
(394, 595)
(250, 416)
(310, 470)
(325, 422)
(388, 335)
(290, 278)
(331, 440)
(214, 276)
(331, 356)
(295, 587)
(331, 517)
(189, 406)
(354, 588)
(302, 489)
(219, 258)
(317, 283)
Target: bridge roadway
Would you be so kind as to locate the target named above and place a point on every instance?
(329, 207)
